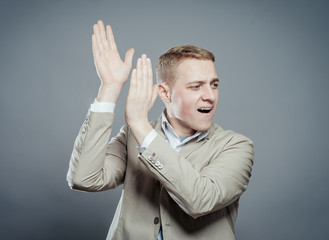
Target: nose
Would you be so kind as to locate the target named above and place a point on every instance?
(208, 94)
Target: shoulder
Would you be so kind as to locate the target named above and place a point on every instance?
(228, 144)
(218, 134)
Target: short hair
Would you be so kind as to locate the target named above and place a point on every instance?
(170, 60)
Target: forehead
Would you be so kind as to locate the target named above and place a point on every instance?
(195, 70)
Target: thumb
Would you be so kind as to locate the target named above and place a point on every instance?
(129, 56)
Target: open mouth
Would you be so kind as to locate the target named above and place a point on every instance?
(204, 110)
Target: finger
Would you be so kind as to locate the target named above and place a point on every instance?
(98, 37)
(129, 56)
(149, 69)
(110, 37)
(94, 45)
(145, 74)
(139, 76)
(102, 34)
(150, 75)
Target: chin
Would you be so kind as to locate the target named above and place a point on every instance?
(202, 128)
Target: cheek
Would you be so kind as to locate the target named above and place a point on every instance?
(188, 104)
(184, 103)
(217, 97)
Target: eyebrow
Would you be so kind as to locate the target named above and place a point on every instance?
(202, 81)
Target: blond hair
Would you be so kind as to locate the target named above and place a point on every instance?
(169, 61)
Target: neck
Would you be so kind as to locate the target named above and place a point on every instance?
(178, 126)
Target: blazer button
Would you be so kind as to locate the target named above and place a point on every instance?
(156, 220)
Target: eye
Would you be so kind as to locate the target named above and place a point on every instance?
(195, 87)
(214, 85)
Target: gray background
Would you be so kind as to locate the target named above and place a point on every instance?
(272, 58)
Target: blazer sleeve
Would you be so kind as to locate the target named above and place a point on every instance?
(97, 164)
(217, 185)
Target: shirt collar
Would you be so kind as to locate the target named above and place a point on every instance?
(169, 130)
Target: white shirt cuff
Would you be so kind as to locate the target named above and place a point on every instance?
(147, 141)
(102, 106)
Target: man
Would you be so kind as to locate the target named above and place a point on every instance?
(182, 175)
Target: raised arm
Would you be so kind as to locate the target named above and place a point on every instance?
(96, 164)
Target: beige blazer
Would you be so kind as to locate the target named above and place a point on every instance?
(193, 193)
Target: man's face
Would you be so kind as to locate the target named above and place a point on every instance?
(194, 97)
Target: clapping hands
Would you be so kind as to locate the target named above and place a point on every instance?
(113, 73)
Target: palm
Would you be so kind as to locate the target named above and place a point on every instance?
(110, 68)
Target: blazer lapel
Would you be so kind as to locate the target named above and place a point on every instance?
(191, 146)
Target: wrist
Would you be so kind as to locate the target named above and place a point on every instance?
(109, 93)
(140, 130)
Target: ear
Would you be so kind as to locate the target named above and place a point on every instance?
(164, 92)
